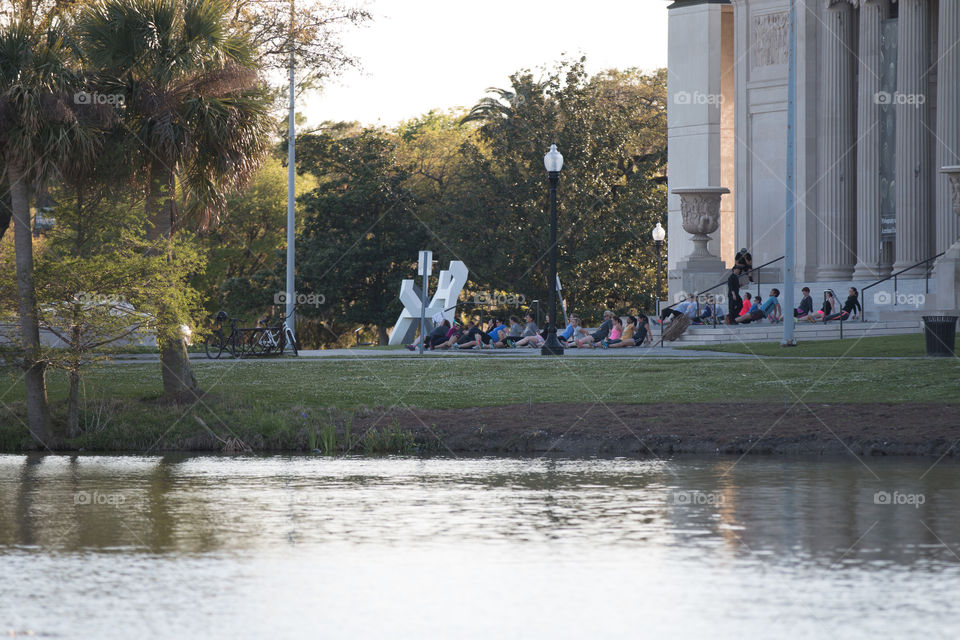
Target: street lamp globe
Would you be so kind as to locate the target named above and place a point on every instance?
(659, 233)
(553, 160)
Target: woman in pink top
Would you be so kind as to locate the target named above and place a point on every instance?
(617, 330)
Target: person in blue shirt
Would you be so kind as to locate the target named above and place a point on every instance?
(568, 337)
(769, 306)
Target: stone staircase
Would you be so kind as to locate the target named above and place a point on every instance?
(764, 331)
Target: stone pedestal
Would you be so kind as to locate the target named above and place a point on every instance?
(946, 269)
(700, 269)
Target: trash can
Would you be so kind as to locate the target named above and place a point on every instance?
(941, 334)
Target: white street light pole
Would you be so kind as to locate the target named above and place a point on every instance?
(289, 320)
(789, 240)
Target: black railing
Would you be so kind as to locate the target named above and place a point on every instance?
(699, 295)
(894, 276)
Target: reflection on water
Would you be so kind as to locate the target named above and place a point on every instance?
(129, 546)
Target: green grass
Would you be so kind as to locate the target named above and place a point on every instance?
(912, 345)
(285, 403)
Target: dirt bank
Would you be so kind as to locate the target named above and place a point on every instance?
(663, 429)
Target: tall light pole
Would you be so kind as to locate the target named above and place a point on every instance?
(789, 228)
(659, 234)
(291, 217)
(553, 162)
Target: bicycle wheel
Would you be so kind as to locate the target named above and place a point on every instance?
(214, 346)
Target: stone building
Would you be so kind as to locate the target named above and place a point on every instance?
(878, 118)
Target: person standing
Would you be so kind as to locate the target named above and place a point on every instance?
(733, 294)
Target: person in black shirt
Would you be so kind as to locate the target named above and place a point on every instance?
(733, 294)
(744, 260)
(851, 307)
(803, 311)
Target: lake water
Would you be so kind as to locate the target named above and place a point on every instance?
(310, 547)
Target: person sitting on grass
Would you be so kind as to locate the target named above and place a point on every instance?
(514, 333)
(643, 335)
(569, 336)
(436, 336)
(804, 310)
(626, 338)
(453, 334)
(763, 309)
(531, 334)
(470, 337)
(851, 307)
(495, 329)
(616, 332)
(598, 335)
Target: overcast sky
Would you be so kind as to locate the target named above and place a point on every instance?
(419, 55)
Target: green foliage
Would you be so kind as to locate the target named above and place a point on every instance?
(611, 129)
(361, 230)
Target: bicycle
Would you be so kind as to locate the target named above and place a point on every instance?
(218, 342)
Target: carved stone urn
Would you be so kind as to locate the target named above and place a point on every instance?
(700, 208)
(954, 174)
(946, 269)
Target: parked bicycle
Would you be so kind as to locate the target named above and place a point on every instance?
(244, 343)
(219, 341)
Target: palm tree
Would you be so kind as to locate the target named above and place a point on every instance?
(198, 118)
(41, 130)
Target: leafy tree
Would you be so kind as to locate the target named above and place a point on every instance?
(611, 130)
(41, 131)
(250, 241)
(361, 232)
(196, 112)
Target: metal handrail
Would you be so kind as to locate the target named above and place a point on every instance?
(926, 284)
(723, 282)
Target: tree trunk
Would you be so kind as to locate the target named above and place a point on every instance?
(38, 407)
(179, 383)
(382, 338)
(73, 406)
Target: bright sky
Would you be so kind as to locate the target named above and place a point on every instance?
(419, 55)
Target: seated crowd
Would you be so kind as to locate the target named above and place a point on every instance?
(614, 332)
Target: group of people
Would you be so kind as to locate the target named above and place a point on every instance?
(614, 332)
(748, 308)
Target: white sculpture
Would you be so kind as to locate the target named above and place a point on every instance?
(451, 283)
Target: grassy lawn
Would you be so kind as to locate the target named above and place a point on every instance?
(274, 401)
(912, 345)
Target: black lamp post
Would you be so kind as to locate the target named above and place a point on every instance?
(659, 233)
(553, 162)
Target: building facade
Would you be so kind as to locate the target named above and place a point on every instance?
(878, 116)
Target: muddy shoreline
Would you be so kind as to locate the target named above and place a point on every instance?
(665, 429)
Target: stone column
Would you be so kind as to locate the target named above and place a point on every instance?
(947, 268)
(836, 191)
(948, 121)
(868, 141)
(913, 149)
